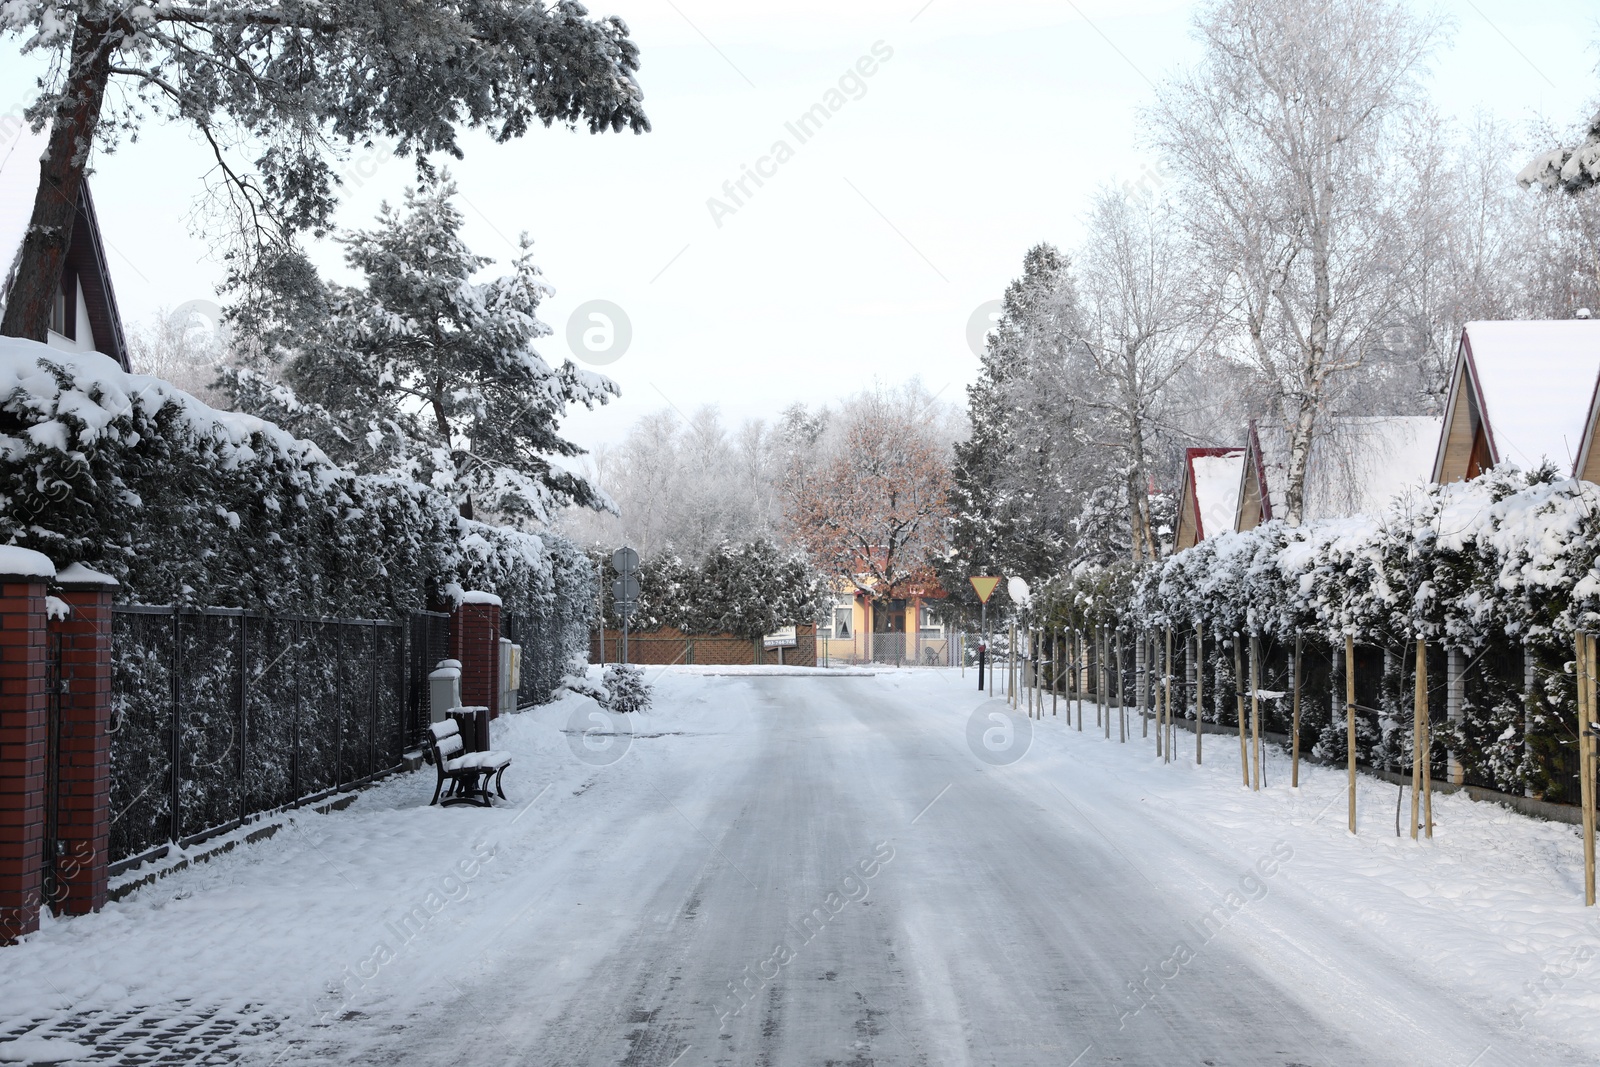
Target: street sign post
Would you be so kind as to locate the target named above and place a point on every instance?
(625, 590)
(984, 587)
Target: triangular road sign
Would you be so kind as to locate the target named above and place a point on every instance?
(984, 587)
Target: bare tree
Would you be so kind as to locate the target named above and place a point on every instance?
(1285, 140)
(1142, 324)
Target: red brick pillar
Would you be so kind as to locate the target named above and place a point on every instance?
(83, 752)
(475, 641)
(23, 710)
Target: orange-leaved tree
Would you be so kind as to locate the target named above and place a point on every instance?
(872, 505)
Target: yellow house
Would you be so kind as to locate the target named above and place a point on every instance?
(902, 631)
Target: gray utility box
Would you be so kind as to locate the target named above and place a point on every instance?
(444, 689)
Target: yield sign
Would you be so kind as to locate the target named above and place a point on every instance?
(983, 587)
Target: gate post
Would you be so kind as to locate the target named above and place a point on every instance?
(475, 641)
(83, 756)
(23, 715)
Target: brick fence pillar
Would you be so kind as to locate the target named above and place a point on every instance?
(83, 752)
(23, 711)
(475, 641)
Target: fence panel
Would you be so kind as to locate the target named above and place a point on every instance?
(143, 702)
(427, 642)
(219, 714)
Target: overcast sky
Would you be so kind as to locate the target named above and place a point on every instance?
(982, 129)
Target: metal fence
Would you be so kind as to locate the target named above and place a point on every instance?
(898, 649)
(546, 640)
(218, 714)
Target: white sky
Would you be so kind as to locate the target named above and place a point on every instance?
(869, 251)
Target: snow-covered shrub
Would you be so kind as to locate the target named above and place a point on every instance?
(626, 689)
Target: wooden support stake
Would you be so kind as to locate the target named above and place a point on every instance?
(1238, 692)
(1141, 672)
(1168, 701)
(1294, 772)
(1255, 712)
(1160, 688)
(1350, 719)
(1586, 776)
(1104, 686)
(1122, 712)
(1077, 673)
(1011, 667)
(1419, 732)
(1199, 687)
(1092, 665)
(1427, 738)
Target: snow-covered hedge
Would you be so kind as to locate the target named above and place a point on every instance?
(1501, 570)
(747, 589)
(186, 504)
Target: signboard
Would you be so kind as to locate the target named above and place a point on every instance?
(625, 588)
(624, 561)
(984, 587)
(784, 638)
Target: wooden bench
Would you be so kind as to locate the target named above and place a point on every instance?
(467, 772)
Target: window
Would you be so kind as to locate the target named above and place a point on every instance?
(843, 610)
(64, 312)
(930, 621)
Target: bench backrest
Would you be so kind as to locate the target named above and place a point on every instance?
(445, 739)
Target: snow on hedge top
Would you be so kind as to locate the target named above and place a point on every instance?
(20, 151)
(25, 563)
(1536, 380)
(78, 395)
(1216, 491)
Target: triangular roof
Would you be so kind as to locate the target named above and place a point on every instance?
(1209, 498)
(86, 256)
(1358, 464)
(1521, 392)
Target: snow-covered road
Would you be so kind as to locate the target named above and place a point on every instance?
(801, 870)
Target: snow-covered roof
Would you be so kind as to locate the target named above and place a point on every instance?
(1358, 464)
(1535, 384)
(1364, 462)
(1216, 490)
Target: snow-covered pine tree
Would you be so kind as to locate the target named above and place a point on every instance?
(1012, 495)
(420, 370)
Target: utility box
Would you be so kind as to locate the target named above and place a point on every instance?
(444, 689)
(510, 675)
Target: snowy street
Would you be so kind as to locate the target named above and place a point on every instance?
(804, 870)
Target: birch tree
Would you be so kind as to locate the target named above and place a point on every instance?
(1142, 324)
(1285, 139)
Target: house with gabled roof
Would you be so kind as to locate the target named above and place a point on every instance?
(1209, 498)
(1522, 392)
(1358, 464)
(85, 317)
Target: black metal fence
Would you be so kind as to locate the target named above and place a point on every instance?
(548, 640)
(218, 714)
